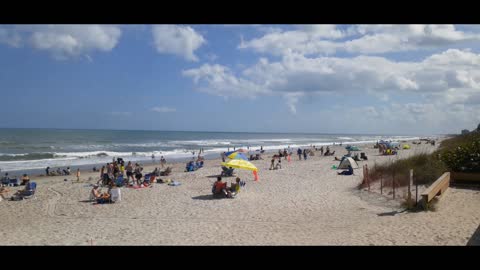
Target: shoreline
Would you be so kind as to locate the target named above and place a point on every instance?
(87, 168)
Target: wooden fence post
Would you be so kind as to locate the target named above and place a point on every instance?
(381, 183)
(416, 192)
(409, 202)
(393, 184)
(368, 177)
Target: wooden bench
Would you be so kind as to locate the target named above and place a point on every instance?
(437, 188)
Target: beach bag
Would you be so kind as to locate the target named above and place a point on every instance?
(116, 194)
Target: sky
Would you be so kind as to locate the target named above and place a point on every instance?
(369, 79)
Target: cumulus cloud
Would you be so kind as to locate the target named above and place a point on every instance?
(439, 81)
(63, 41)
(219, 80)
(163, 109)
(178, 40)
(368, 39)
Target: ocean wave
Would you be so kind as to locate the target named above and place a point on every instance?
(27, 156)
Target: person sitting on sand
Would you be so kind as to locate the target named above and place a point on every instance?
(4, 193)
(219, 187)
(25, 180)
(347, 172)
(235, 187)
(99, 197)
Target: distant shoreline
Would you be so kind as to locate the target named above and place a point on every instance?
(88, 168)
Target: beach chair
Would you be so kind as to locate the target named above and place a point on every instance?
(13, 182)
(5, 181)
(30, 191)
(120, 182)
(226, 171)
(167, 172)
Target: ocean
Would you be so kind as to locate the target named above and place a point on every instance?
(27, 149)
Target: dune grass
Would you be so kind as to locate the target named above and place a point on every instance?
(459, 154)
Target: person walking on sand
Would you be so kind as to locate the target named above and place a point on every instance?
(305, 154)
(78, 175)
(299, 153)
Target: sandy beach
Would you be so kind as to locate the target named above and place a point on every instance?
(305, 203)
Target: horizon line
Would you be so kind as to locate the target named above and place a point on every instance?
(259, 132)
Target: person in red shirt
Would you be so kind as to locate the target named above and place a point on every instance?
(220, 187)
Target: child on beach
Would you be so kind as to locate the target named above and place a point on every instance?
(78, 175)
(272, 164)
(279, 164)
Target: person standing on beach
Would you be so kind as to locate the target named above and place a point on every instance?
(102, 171)
(305, 154)
(272, 165)
(285, 154)
(321, 150)
(299, 153)
(78, 174)
(47, 171)
(130, 171)
(153, 158)
(223, 156)
(162, 161)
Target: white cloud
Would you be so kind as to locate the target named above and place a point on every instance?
(10, 38)
(178, 40)
(163, 109)
(438, 84)
(370, 39)
(220, 80)
(63, 41)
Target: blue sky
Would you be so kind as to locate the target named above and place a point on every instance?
(405, 79)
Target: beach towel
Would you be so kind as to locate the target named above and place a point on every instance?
(174, 183)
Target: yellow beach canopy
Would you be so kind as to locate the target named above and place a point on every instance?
(406, 146)
(240, 164)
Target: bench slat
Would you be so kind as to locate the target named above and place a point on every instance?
(438, 187)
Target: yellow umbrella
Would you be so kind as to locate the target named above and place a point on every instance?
(242, 164)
